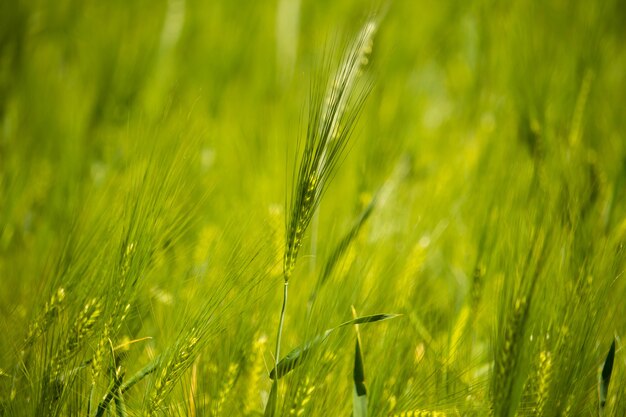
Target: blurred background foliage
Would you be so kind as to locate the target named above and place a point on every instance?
(493, 140)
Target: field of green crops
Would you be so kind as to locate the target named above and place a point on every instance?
(445, 179)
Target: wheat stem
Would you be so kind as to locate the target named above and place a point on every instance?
(281, 322)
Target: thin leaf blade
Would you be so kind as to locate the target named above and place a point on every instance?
(359, 393)
(605, 376)
(270, 407)
(297, 355)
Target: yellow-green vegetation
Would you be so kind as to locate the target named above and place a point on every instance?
(190, 189)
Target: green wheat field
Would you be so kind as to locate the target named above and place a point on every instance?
(312, 208)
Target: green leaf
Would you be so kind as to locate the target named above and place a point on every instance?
(141, 374)
(368, 319)
(359, 373)
(270, 407)
(359, 394)
(293, 358)
(605, 376)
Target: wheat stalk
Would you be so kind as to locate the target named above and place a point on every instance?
(332, 116)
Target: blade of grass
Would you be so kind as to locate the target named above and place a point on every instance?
(605, 378)
(270, 407)
(293, 358)
(141, 374)
(359, 394)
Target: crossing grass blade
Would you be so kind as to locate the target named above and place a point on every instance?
(290, 361)
(141, 374)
